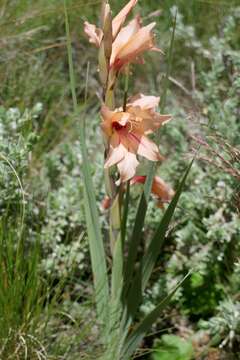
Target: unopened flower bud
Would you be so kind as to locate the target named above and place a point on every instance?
(103, 12)
(107, 32)
(103, 65)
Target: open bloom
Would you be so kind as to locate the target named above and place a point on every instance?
(160, 189)
(126, 133)
(129, 42)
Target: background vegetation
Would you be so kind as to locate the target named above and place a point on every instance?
(46, 296)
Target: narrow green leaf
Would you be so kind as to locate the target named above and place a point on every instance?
(117, 266)
(98, 259)
(143, 204)
(115, 304)
(149, 259)
(157, 241)
(125, 213)
(135, 338)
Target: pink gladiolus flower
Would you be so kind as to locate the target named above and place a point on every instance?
(160, 189)
(95, 34)
(127, 130)
(129, 42)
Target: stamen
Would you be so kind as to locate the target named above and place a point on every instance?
(133, 124)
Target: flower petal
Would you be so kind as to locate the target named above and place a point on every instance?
(162, 119)
(107, 116)
(139, 42)
(152, 121)
(145, 102)
(121, 17)
(143, 107)
(123, 37)
(127, 166)
(115, 155)
(148, 149)
(123, 119)
(161, 189)
(94, 34)
(110, 117)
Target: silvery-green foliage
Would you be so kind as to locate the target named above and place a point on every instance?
(225, 326)
(172, 347)
(186, 33)
(63, 232)
(54, 195)
(17, 138)
(204, 236)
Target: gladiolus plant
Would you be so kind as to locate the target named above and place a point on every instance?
(130, 129)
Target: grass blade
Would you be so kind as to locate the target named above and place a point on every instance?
(143, 204)
(98, 259)
(135, 338)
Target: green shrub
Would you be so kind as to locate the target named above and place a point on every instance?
(172, 347)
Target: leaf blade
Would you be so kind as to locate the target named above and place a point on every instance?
(135, 338)
(149, 259)
(157, 241)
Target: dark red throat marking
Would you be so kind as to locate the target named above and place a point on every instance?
(117, 126)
